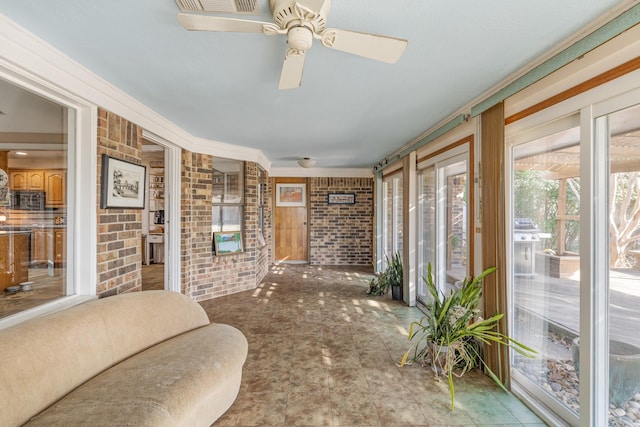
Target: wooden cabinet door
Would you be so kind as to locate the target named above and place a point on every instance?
(14, 259)
(18, 180)
(39, 244)
(35, 180)
(27, 180)
(59, 255)
(21, 258)
(55, 188)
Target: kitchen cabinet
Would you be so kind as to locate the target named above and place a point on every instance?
(51, 181)
(14, 258)
(54, 187)
(48, 246)
(59, 253)
(30, 179)
(154, 252)
(39, 240)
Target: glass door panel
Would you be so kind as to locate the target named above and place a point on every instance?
(544, 266)
(444, 215)
(427, 226)
(622, 131)
(455, 224)
(391, 216)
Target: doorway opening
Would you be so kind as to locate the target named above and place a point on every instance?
(153, 218)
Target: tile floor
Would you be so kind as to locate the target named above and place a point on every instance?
(322, 353)
(47, 285)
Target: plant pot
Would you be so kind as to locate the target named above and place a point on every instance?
(396, 293)
(438, 355)
(624, 369)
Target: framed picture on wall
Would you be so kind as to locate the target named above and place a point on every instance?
(341, 198)
(291, 194)
(227, 242)
(123, 184)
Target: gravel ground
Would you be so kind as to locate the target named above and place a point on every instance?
(558, 377)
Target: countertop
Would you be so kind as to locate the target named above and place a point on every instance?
(11, 232)
(28, 228)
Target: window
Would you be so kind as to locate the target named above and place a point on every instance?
(228, 195)
(391, 216)
(34, 249)
(445, 215)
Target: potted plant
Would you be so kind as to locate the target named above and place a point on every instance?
(391, 277)
(451, 333)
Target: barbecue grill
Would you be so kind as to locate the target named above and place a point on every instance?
(525, 238)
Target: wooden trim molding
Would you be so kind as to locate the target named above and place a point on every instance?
(493, 232)
(451, 146)
(392, 173)
(593, 82)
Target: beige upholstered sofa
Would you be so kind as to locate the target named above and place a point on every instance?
(140, 359)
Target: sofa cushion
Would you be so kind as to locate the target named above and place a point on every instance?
(189, 380)
(45, 358)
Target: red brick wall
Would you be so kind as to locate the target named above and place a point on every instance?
(252, 218)
(119, 230)
(341, 234)
(205, 276)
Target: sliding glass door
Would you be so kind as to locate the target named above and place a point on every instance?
(618, 268)
(545, 268)
(574, 269)
(444, 215)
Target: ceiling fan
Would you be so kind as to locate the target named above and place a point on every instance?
(302, 21)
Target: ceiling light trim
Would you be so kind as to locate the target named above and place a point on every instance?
(307, 162)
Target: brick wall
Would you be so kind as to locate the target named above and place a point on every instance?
(205, 276)
(252, 184)
(341, 234)
(119, 230)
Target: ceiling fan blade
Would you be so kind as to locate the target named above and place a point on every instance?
(216, 23)
(291, 75)
(380, 48)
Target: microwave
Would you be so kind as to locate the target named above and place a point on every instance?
(27, 200)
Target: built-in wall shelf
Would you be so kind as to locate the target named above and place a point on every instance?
(156, 198)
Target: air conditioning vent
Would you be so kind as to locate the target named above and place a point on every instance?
(247, 6)
(242, 7)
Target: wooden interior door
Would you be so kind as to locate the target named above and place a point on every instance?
(291, 233)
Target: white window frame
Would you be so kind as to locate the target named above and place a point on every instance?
(81, 244)
(598, 102)
(440, 162)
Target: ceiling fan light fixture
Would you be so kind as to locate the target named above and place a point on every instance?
(300, 38)
(307, 162)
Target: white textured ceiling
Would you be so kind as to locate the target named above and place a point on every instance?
(350, 111)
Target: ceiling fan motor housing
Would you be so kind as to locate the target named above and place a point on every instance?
(286, 15)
